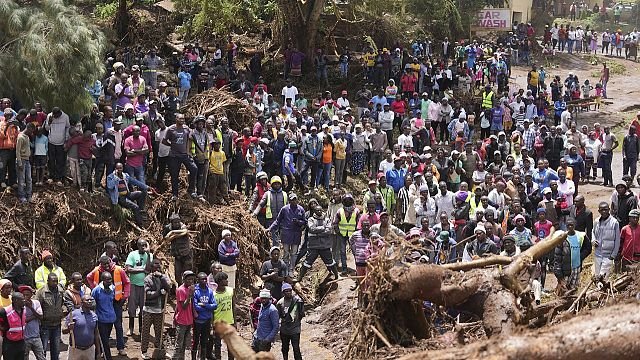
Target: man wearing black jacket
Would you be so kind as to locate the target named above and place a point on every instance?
(21, 273)
(553, 146)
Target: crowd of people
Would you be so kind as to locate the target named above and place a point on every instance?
(459, 183)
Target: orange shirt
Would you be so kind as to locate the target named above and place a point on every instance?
(327, 151)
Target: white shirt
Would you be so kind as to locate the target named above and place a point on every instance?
(385, 166)
(567, 189)
(445, 203)
(405, 142)
(497, 198)
(554, 33)
(163, 150)
(290, 92)
(343, 103)
(565, 120)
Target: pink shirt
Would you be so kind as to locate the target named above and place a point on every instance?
(131, 143)
(183, 316)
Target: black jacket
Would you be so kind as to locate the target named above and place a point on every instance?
(562, 257)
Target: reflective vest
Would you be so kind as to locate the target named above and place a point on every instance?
(487, 100)
(117, 281)
(16, 324)
(268, 213)
(347, 227)
(8, 135)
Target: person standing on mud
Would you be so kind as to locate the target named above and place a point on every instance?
(177, 234)
(291, 311)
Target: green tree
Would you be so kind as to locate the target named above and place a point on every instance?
(49, 52)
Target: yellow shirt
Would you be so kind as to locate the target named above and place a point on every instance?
(369, 59)
(215, 162)
(340, 146)
(5, 302)
(224, 311)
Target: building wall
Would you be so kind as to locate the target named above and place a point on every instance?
(520, 10)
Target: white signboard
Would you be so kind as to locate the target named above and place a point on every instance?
(494, 19)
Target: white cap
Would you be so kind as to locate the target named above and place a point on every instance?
(226, 232)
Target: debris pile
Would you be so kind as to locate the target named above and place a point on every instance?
(221, 102)
(76, 225)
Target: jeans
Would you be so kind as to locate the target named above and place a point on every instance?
(24, 181)
(249, 184)
(134, 201)
(57, 162)
(314, 172)
(8, 166)
(201, 178)
(118, 325)
(325, 175)
(104, 329)
(183, 339)
(135, 171)
(340, 165)
(50, 336)
(629, 166)
(606, 159)
(35, 345)
(344, 69)
(175, 163)
(200, 338)
(184, 94)
(295, 344)
(85, 173)
(99, 174)
(342, 249)
(290, 253)
(570, 46)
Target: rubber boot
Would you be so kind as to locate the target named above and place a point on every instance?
(334, 270)
(303, 271)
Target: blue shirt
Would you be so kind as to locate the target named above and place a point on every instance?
(185, 80)
(268, 323)
(575, 245)
(205, 297)
(395, 178)
(84, 327)
(104, 304)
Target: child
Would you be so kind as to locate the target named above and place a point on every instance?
(41, 146)
(250, 170)
(599, 91)
(85, 145)
(459, 142)
(72, 156)
(586, 88)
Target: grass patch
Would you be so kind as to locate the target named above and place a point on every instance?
(615, 68)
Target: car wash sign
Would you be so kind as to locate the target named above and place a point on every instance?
(494, 19)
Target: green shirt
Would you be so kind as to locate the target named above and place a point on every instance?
(224, 311)
(134, 260)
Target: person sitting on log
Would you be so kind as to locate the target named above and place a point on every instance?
(480, 247)
(118, 188)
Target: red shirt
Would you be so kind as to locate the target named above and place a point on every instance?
(398, 107)
(408, 83)
(131, 143)
(184, 316)
(84, 146)
(630, 243)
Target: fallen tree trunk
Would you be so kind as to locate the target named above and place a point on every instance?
(606, 333)
(237, 345)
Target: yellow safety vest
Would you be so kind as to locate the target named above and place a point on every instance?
(487, 100)
(347, 227)
(268, 213)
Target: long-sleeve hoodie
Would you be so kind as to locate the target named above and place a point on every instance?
(204, 303)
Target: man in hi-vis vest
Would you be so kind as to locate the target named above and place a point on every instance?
(344, 224)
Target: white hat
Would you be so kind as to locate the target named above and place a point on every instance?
(480, 228)
(226, 232)
(265, 294)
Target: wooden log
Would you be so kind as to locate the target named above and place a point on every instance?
(480, 263)
(607, 333)
(237, 345)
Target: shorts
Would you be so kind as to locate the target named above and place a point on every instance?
(39, 161)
